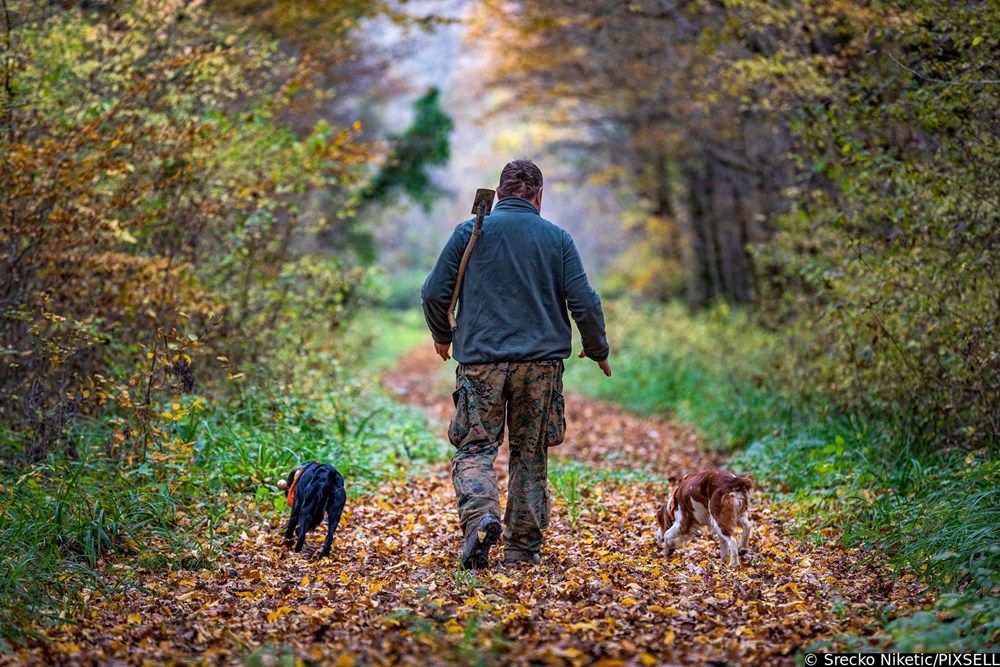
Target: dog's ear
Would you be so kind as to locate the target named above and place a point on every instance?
(671, 505)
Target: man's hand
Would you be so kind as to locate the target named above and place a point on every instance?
(604, 365)
(442, 350)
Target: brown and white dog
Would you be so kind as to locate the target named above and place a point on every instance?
(715, 498)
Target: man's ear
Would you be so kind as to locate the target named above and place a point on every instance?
(538, 199)
(499, 194)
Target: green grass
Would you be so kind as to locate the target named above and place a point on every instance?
(716, 370)
(368, 437)
(382, 336)
(60, 520)
(378, 336)
(934, 514)
(572, 482)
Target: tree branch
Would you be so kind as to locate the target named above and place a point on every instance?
(946, 82)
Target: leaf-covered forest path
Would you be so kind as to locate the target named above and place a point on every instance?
(604, 594)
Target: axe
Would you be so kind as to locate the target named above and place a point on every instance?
(481, 208)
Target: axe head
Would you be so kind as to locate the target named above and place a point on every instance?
(484, 198)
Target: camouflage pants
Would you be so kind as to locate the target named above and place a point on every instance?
(526, 397)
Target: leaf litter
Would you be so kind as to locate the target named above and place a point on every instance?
(392, 593)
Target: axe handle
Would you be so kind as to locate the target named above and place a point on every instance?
(476, 231)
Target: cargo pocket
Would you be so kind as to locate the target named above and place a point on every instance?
(555, 429)
(460, 424)
(546, 506)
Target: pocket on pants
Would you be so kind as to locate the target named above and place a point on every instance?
(546, 507)
(555, 429)
(460, 424)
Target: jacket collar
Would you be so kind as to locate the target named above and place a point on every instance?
(515, 203)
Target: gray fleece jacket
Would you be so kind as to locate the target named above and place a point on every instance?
(522, 276)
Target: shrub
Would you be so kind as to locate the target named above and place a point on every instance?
(149, 202)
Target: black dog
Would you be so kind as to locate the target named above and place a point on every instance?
(314, 489)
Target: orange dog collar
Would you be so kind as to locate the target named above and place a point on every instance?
(290, 498)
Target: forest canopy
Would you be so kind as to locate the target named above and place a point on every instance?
(830, 163)
(158, 200)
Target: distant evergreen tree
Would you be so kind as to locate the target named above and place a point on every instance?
(423, 145)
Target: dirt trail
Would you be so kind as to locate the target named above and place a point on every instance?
(390, 592)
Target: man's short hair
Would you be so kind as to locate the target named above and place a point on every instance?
(520, 178)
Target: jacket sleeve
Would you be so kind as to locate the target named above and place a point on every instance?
(584, 303)
(439, 285)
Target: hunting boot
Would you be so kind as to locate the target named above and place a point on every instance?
(476, 549)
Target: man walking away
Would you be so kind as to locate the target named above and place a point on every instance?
(513, 334)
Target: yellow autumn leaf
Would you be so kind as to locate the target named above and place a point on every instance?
(580, 627)
(570, 652)
(665, 611)
(790, 587)
(278, 613)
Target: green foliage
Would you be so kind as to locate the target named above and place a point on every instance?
(959, 622)
(717, 369)
(573, 482)
(156, 256)
(889, 256)
(423, 145)
(934, 515)
(401, 289)
(363, 433)
(378, 336)
(934, 512)
(852, 145)
(60, 521)
(150, 197)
